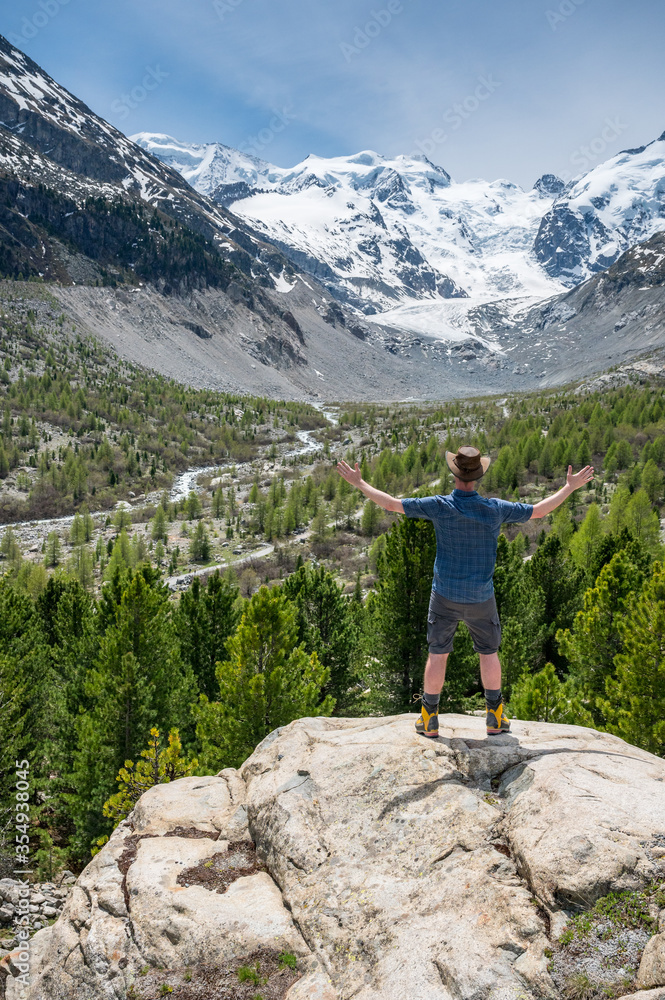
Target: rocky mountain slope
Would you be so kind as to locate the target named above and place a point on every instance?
(80, 204)
(601, 323)
(604, 212)
(384, 866)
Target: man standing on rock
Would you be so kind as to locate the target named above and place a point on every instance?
(467, 529)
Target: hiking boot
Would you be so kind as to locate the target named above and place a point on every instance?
(496, 721)
(428, 725)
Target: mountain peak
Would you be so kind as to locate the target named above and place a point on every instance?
(549, 185)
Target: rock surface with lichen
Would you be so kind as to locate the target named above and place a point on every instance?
(388, 865)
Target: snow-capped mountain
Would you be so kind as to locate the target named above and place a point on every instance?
(604, 212)
(380, 232)
(401, 241)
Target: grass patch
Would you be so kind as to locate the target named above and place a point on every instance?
(599, 952)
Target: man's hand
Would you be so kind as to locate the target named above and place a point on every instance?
(580, 478)
(573, 482)
(352, 476)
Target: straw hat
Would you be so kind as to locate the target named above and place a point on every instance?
(468, 464)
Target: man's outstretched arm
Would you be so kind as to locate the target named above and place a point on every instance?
(383, 499)
(573, 482)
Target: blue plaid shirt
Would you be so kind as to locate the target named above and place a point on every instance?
(467, 529)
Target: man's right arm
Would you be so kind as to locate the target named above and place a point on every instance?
(573, 482)
(354, 477)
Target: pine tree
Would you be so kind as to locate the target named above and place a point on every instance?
(267, 681)
(199, 549)
(326, 627)
(157, 765)
(635, 703)
(53, 551)
(218, 505)
(206, 616)
(159, 531)
(122, 520)
(121, 555)
(88, 524)
(399, 610)
(585, 541)
(193, 507)
(77, 532)
(643, 521)
(137, 680)
(652, 481)
(80, 566)
(594, 640)
(370, 519)
(542, 697)
(561, 585)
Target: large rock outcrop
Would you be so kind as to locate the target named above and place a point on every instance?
(391, 866)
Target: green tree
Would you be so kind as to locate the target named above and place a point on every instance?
(80, 566)
(157, 765)
(27, 691)
(622, 541)
(616, 519)
(560, 582)
(267, 681)
(643, 521)
(53, 552)
(121, 556)
(370, 521)
(199, 549)
(652, 481)
(521, 606)
(594, 640)
(320, 525)
(205, 618)
(326, 626)
(623, 454)
(635, 703)
(10, 548)
(218, 505)
(193, 507)
(138, 678)
(585, 541)
(77, 531)
(88, 524)
(563, 525)
(12, 700)
(159, 531)
(398, 610)
(542, 697)
(122, 519)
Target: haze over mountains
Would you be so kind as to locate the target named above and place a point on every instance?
(352, 277)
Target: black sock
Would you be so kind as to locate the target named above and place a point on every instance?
(431, 702)
(493, 698)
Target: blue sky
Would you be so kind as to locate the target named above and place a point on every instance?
(488, 88)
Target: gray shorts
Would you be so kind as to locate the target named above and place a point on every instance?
(482, 621)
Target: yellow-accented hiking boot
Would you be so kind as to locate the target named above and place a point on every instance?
(496, 721)
(428, 725)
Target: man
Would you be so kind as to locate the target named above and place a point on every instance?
(467, 529)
